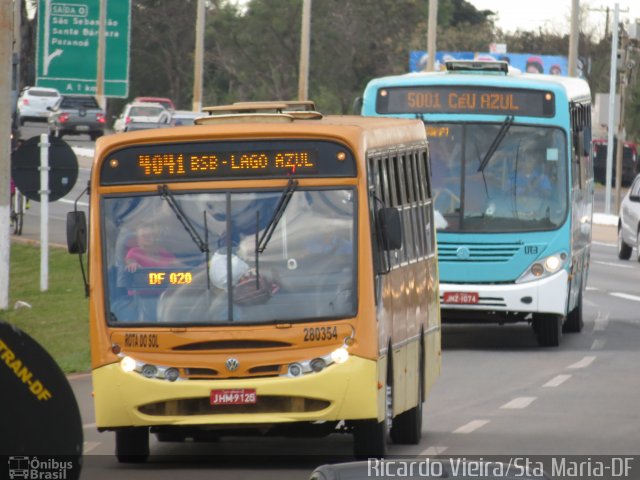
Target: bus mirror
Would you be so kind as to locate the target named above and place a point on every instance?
(76, 232)
(390, 228)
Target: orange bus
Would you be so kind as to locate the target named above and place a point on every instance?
(266, 269)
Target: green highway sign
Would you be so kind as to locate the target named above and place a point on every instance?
(68, 46)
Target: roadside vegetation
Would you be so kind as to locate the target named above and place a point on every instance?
(252, 48)
(59, 318)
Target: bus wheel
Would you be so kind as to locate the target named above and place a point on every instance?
(624, 250)
(574, 322)
(548, 328)
(406, 428)
(370, 437)
(132, 445)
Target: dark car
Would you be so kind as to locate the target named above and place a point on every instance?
(629, 162)
(629, 223)
(77, 115)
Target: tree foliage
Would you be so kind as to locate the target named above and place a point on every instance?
(252, 51)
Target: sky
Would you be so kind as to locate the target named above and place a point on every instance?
(553, 15)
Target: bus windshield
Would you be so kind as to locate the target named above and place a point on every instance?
(169, 257)
(498, 177)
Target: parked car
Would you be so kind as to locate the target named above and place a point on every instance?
(165, 102)
(629, 222)
(34, 102)
(75, 115)
(185, 117)
(141, 116)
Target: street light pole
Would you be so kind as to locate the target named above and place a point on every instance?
(198, 58)
(612, 100)
(101, 55)
(6, 67)
(574, 38)
(305, 39)
(431, 35)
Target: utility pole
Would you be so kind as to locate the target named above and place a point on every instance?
(6, 72)
(574, 38)
(612, 98)
(623, 67)
(198, 57)
(305, 40)
(102, 21)
(431, 35)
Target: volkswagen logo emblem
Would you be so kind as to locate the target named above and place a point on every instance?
(463, 253)
(232, 364)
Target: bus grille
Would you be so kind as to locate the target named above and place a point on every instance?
(477, 252)
(264, 404)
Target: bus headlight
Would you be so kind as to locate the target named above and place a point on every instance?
(149, 370)
(295, 370)
(128, 364)
(340, 355)
(171, 374)
(544, 267)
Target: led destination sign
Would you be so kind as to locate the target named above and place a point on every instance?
(223, 160)
(465, 99)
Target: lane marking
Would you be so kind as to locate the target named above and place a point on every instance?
(88, 446)
(585, 362)
(592, 289)
(602, 244)
(434, 450)
(88, 425)
(64, 200)
(557, 381)
(612, 264)
(626, 296)
(598, 344)
(519, 403)
(601, 322)
(471, 426)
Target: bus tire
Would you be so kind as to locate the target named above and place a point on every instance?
(574, 322)
(624, 250)
(369, 439)
(548, 328)
(132, 444)
(406, 428)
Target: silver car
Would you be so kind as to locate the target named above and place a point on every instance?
(34, 102)
(629, 222)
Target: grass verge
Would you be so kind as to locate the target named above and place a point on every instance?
(58, 318)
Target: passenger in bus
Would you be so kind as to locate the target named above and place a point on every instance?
(146, 253)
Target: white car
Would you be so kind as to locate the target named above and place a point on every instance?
(629, 222)
(140, 116)
(185, 117)
(34, 103)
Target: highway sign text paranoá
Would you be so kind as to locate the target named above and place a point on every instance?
(67, 47)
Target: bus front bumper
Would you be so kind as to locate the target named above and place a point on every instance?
(340, 392)
(548, 295)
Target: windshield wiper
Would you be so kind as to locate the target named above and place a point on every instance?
(285, 198)
(203, 245)
(504, 128)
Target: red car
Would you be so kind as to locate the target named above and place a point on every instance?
(165, 102)
(629, 162)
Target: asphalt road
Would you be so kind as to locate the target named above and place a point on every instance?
(499, 394)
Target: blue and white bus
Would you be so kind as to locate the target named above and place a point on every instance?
(512, 179)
